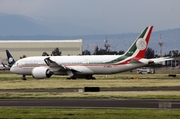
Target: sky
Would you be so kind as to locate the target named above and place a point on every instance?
(102, 16)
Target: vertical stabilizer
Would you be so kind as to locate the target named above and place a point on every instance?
(10, 58)
(138, 48)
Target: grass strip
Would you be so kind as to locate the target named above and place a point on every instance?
(59, 84)
(118, 94)
(57, 113)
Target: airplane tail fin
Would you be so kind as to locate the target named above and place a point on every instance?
(138, 48)
(10, 58)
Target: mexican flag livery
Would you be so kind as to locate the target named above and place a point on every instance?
(137, 49)
(86, 66)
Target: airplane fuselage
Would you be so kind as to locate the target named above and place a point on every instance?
(83, 64)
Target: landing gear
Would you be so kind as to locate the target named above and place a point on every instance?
(74, 76)
(71, 74)
(23, 77)
(71, 78)
(90, 77)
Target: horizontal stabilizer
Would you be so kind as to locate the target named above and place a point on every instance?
(160, 60)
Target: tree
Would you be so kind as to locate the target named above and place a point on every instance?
(174, 53)
(45, 54)
(56, 52)
(96, 49)
(121, 52)
(86, 52)
(149, 53)
(24, 56)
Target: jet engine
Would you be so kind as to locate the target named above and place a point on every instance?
(41, 73)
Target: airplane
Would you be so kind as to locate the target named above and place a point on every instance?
(3, 67)
(41, 67)
(11, 61)
(10, 58)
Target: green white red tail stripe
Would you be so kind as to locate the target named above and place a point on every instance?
(137, 49)
(141, 44)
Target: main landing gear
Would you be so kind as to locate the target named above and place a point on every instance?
(23, 77)
(88, 77)
(71, 78)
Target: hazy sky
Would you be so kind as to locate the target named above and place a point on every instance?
(105, 16)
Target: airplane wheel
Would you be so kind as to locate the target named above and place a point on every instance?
(90, 77)
(68, 78)
(93, 78)
(23, 78)
(71, 78)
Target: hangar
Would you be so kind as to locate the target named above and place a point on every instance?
(20, 48)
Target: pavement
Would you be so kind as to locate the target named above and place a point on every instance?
(91, 103)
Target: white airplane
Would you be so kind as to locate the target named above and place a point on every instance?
(3, 67)
(41, 67)
(11, 61)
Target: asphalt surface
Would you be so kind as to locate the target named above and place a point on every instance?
(101, 89)
(91, 103)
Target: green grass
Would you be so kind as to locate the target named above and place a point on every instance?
(117, 94)
(6, 75)
(56, 113)
(56, 83)
(12, 81)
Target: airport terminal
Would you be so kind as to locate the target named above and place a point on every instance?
(20, 48)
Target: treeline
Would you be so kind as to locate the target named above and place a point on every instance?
(150, 53)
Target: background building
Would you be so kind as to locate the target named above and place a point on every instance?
(20, 48)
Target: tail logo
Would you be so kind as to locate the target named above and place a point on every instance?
(10, 59)
(141, 44)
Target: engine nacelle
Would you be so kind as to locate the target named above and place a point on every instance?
(41, 73)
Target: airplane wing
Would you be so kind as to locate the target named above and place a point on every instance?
(54, 65)
(160, 60)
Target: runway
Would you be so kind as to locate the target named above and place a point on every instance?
(91, 103)
(101, 89)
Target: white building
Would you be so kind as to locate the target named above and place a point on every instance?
(18, 48)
